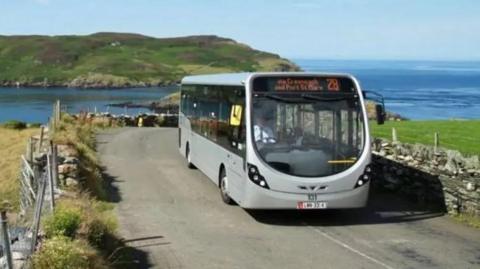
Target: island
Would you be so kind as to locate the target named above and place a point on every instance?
(119, 60)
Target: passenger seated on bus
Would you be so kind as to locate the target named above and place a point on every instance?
(262, 132)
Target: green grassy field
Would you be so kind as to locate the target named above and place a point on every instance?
(461, 135)
(12, 146)
(124, 59)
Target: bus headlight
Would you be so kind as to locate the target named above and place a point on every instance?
(365, 177)
(255, 176)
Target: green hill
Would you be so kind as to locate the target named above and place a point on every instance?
(124, 60)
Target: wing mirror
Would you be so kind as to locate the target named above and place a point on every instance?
(379, 106)
(380, 114)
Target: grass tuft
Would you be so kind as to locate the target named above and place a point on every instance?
(61, 252)
(64, 222)
(468, 219)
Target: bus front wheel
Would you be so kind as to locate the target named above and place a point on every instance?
(223, 188)
(189, 158)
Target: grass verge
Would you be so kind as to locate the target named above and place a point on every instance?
(470, 220)
(81, 233)
(461, 135)
(12, 145)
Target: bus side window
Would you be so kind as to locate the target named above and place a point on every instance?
(231, 122)
(237, 129)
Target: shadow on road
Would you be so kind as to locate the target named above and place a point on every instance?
(113, 193)
(131, 254)
(382, 208)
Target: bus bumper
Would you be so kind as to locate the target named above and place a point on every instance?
(259, 198)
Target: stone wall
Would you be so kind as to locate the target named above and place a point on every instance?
(436, 178)
(147, 120)
(68, 166)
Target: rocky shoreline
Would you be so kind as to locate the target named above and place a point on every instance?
(80, 84)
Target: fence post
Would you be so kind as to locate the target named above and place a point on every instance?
(42, 132)
(50, 178)
(54, 116)
(55, 165)
(57, 111)
(394, 135)
(30, 150)
(436, 141)
(6, 239)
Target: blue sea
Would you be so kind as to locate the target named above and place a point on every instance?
(417, 90)
(414, 89)
(35, 104)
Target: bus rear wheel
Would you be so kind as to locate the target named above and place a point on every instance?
(223, 188)
(189, 158)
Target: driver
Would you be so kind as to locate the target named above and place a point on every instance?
(263, 132)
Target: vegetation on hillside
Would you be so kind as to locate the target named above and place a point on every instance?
(461, 135)
(122, 60)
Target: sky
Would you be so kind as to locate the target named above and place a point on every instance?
(318, 29)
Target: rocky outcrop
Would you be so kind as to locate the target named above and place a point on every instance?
(439, 178)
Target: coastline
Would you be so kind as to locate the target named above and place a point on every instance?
(106, 86)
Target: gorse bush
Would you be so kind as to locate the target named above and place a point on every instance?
(16, 125)
(64, 222)
(82, 218)
(61, 252)
(98, 232)
(34, 125)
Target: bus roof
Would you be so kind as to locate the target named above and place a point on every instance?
(238, 79)
(234, 79)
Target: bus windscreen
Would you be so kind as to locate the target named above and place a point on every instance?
(307, 126)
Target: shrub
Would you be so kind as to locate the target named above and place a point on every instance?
(99, 234)
(13, 124)
(61, 252)
(98, 226)
(64, 222)
(96, 222)
(34, 125)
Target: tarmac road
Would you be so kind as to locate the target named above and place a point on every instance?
(175, 218)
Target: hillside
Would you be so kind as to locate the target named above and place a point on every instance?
(124, 60)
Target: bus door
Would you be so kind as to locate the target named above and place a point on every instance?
(237, 139)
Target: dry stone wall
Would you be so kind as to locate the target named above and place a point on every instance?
(68, 168)
(437, 178)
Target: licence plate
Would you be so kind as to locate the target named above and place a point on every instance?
(311, 205)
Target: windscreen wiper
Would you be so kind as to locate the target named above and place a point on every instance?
(324, 99)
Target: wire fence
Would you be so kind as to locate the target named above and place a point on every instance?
(439, 141)
(38, 187)
(38, 182)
